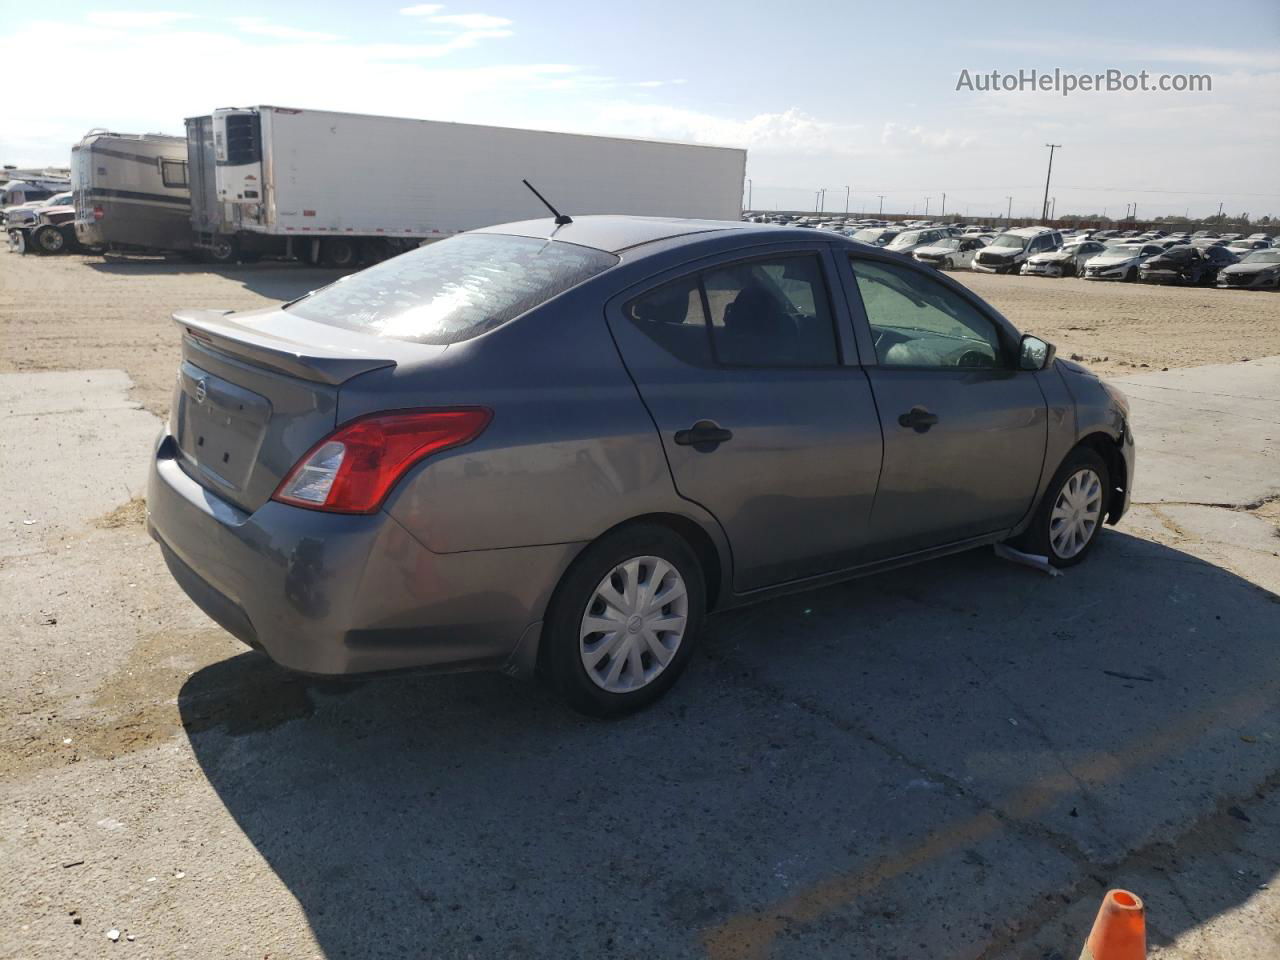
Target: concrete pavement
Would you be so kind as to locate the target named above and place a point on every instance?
(951, 760)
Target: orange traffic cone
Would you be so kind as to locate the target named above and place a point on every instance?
(1120, 930)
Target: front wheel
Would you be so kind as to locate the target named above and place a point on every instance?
(49, 239)
(1070, 516)
(624, 620)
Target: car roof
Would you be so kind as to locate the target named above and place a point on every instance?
(614, 234)
(1029, 231)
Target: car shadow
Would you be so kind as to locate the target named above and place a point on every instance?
(917, 762)
(275, 279)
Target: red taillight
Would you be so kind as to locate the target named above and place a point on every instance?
(98, 213)
(353, 469)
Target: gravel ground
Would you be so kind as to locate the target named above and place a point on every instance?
(951, 760)
(70, 313)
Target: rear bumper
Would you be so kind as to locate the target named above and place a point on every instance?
(335, 594)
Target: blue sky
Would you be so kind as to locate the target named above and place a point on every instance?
(821, 94)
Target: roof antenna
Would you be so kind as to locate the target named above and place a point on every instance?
(561, 218)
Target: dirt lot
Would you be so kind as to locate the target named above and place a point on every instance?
(69, 313)
(951, 760)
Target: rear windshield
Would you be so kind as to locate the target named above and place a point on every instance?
(454, 289)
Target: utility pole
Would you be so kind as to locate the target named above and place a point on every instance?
(881, 204)
(944, 206)
(749, 186)
(1044, 213)
(846, 201)
(1135, 211)
(1053, 208)
(1009, 216)
(926, 206)
(822, 200)
(1219, 209)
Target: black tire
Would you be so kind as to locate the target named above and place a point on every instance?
(560, 657)
(1037, 538)
(341, 253)
(223, 250)
(49, 239)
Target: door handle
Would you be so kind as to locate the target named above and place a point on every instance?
(704, 431)
(918, 419)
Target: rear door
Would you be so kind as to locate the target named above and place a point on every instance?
(964, 429)
(748, 368)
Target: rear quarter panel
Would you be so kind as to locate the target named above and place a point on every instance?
(570, 452)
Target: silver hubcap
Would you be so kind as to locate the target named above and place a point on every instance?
(633, 624)
(1075, 513)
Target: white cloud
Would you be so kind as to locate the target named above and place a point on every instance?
(472, 21)
(397, 79)
(901, 135)
(792, 130)
(422, 9)
(259, 26)
(136, 18)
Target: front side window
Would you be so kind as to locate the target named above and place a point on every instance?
(454, 289)
(916, 322)
(771, 313)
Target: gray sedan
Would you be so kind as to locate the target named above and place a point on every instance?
(554, 450)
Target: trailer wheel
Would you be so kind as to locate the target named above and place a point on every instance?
(339, 252)
(223, 250)
(49, 239)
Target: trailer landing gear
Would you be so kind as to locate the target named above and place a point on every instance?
(222, 250)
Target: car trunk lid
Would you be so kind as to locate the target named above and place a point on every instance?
(255, 392)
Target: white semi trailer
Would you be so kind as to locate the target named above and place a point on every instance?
(340, 188)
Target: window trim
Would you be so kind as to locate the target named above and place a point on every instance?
(1008, 334)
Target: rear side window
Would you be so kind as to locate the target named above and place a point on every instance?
(454, 289)
(771, 313)
(763, 313)
(173, 173)
(672, 317)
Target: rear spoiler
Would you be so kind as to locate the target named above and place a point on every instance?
(274, 349)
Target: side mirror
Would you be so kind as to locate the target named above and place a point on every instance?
(1034, 353)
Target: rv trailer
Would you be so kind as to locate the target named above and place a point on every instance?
(131, 192)
(339, 188)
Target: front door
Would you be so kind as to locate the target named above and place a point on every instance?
(764, 422)
(964, 429)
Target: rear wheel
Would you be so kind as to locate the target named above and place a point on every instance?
(624, 620)
(49, 239)
(340, 252)
(1070, 516)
